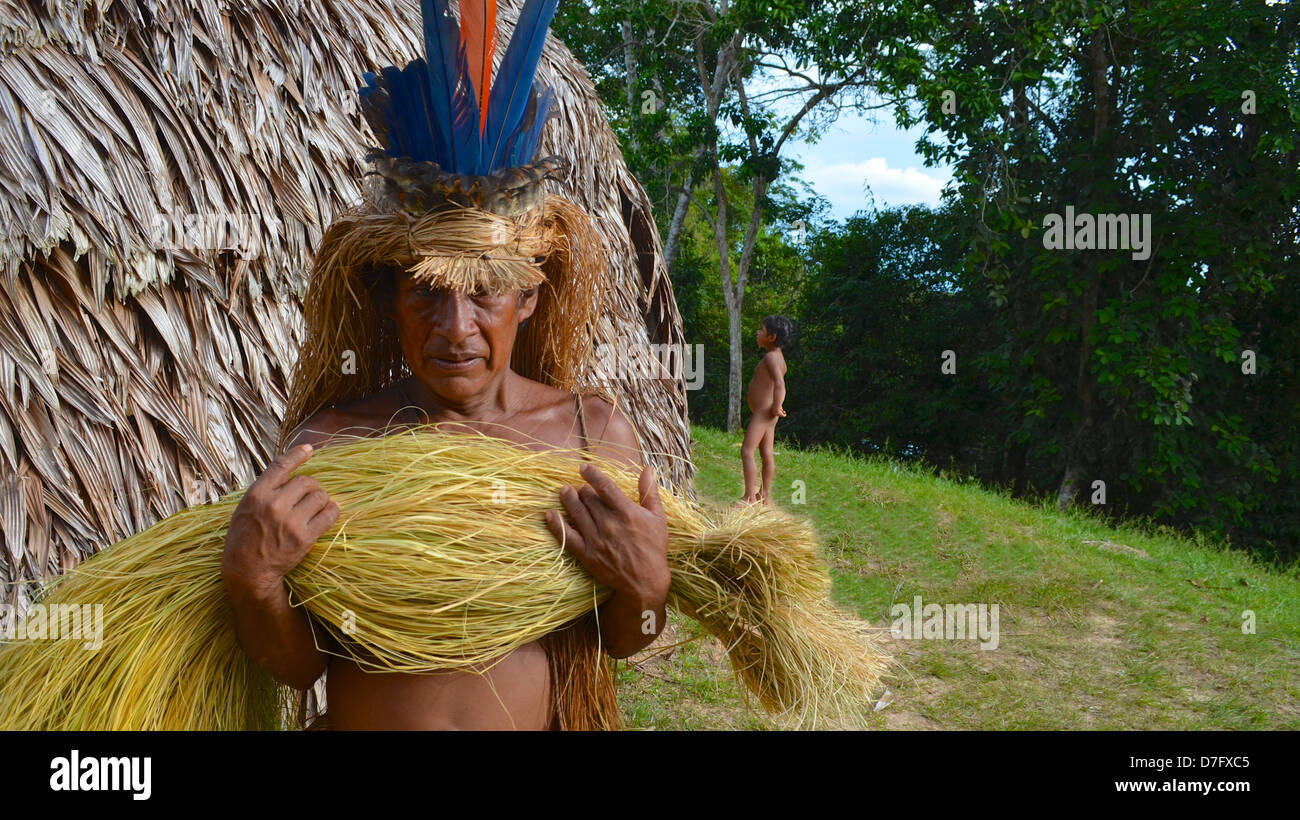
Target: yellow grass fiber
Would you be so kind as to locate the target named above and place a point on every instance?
(440, 559)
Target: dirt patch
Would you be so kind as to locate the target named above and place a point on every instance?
(881, 496)
(659, 654)
(909, 690)
(1102, 638)
(1112, 546)
(945, 548)
(909, 698)
(847, 553)
(908, 721)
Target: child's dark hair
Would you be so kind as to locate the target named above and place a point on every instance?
(780, 327)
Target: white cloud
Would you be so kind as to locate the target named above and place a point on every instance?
(844, 184)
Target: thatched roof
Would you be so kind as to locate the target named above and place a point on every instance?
(139, 374)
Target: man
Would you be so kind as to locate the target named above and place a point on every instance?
(458, 348)
(416, 313)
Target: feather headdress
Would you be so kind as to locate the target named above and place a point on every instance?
(449, 132)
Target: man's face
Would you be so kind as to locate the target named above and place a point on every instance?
(457, 344)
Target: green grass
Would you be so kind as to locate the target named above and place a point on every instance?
(1090, 637)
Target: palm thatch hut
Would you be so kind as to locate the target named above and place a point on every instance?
(166, 170)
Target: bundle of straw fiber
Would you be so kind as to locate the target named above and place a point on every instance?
(440, 559)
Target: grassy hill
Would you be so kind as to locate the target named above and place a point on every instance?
(1100, 627)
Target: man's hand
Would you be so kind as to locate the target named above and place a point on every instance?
(779, 411)
(271, 531)
(624, 545)
(276, 523)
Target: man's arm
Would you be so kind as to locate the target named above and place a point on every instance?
(271, 530)
(278, 637)
(622, 543)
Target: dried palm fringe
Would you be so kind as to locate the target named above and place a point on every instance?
(582, 678)
(464, 249)
(441, 559)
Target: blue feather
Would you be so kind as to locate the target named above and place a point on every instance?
(465, 118)
(513, 86)
(397, 105)
(533, 139)
(441, 40)
(521, 147)
(376, 113)
(416, 113)
(423, 136)
(428, 111)
(511, 147)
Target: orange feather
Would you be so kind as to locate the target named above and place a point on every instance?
(478, 34)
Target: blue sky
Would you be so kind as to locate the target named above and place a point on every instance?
(856, 152)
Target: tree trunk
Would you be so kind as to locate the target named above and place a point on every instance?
(1079, 450)
(673, 243)
(713, 90)
(730, 292)
(734, 335)
(1069, 485)
(629, 64)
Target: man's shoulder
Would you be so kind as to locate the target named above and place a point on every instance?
(608, 425)
(320, 428)
(346, 420)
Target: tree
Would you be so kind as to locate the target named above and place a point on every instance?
(731, 42)
(879, 310)
(1125, 366)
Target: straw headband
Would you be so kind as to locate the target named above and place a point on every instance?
(461, 248)
(463, 232)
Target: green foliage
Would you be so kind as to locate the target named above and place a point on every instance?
(1073, 366)
(877, 313)
(1115, 368)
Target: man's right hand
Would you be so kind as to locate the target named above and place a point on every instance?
(276, 523)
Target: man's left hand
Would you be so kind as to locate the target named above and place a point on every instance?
(623, 544)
